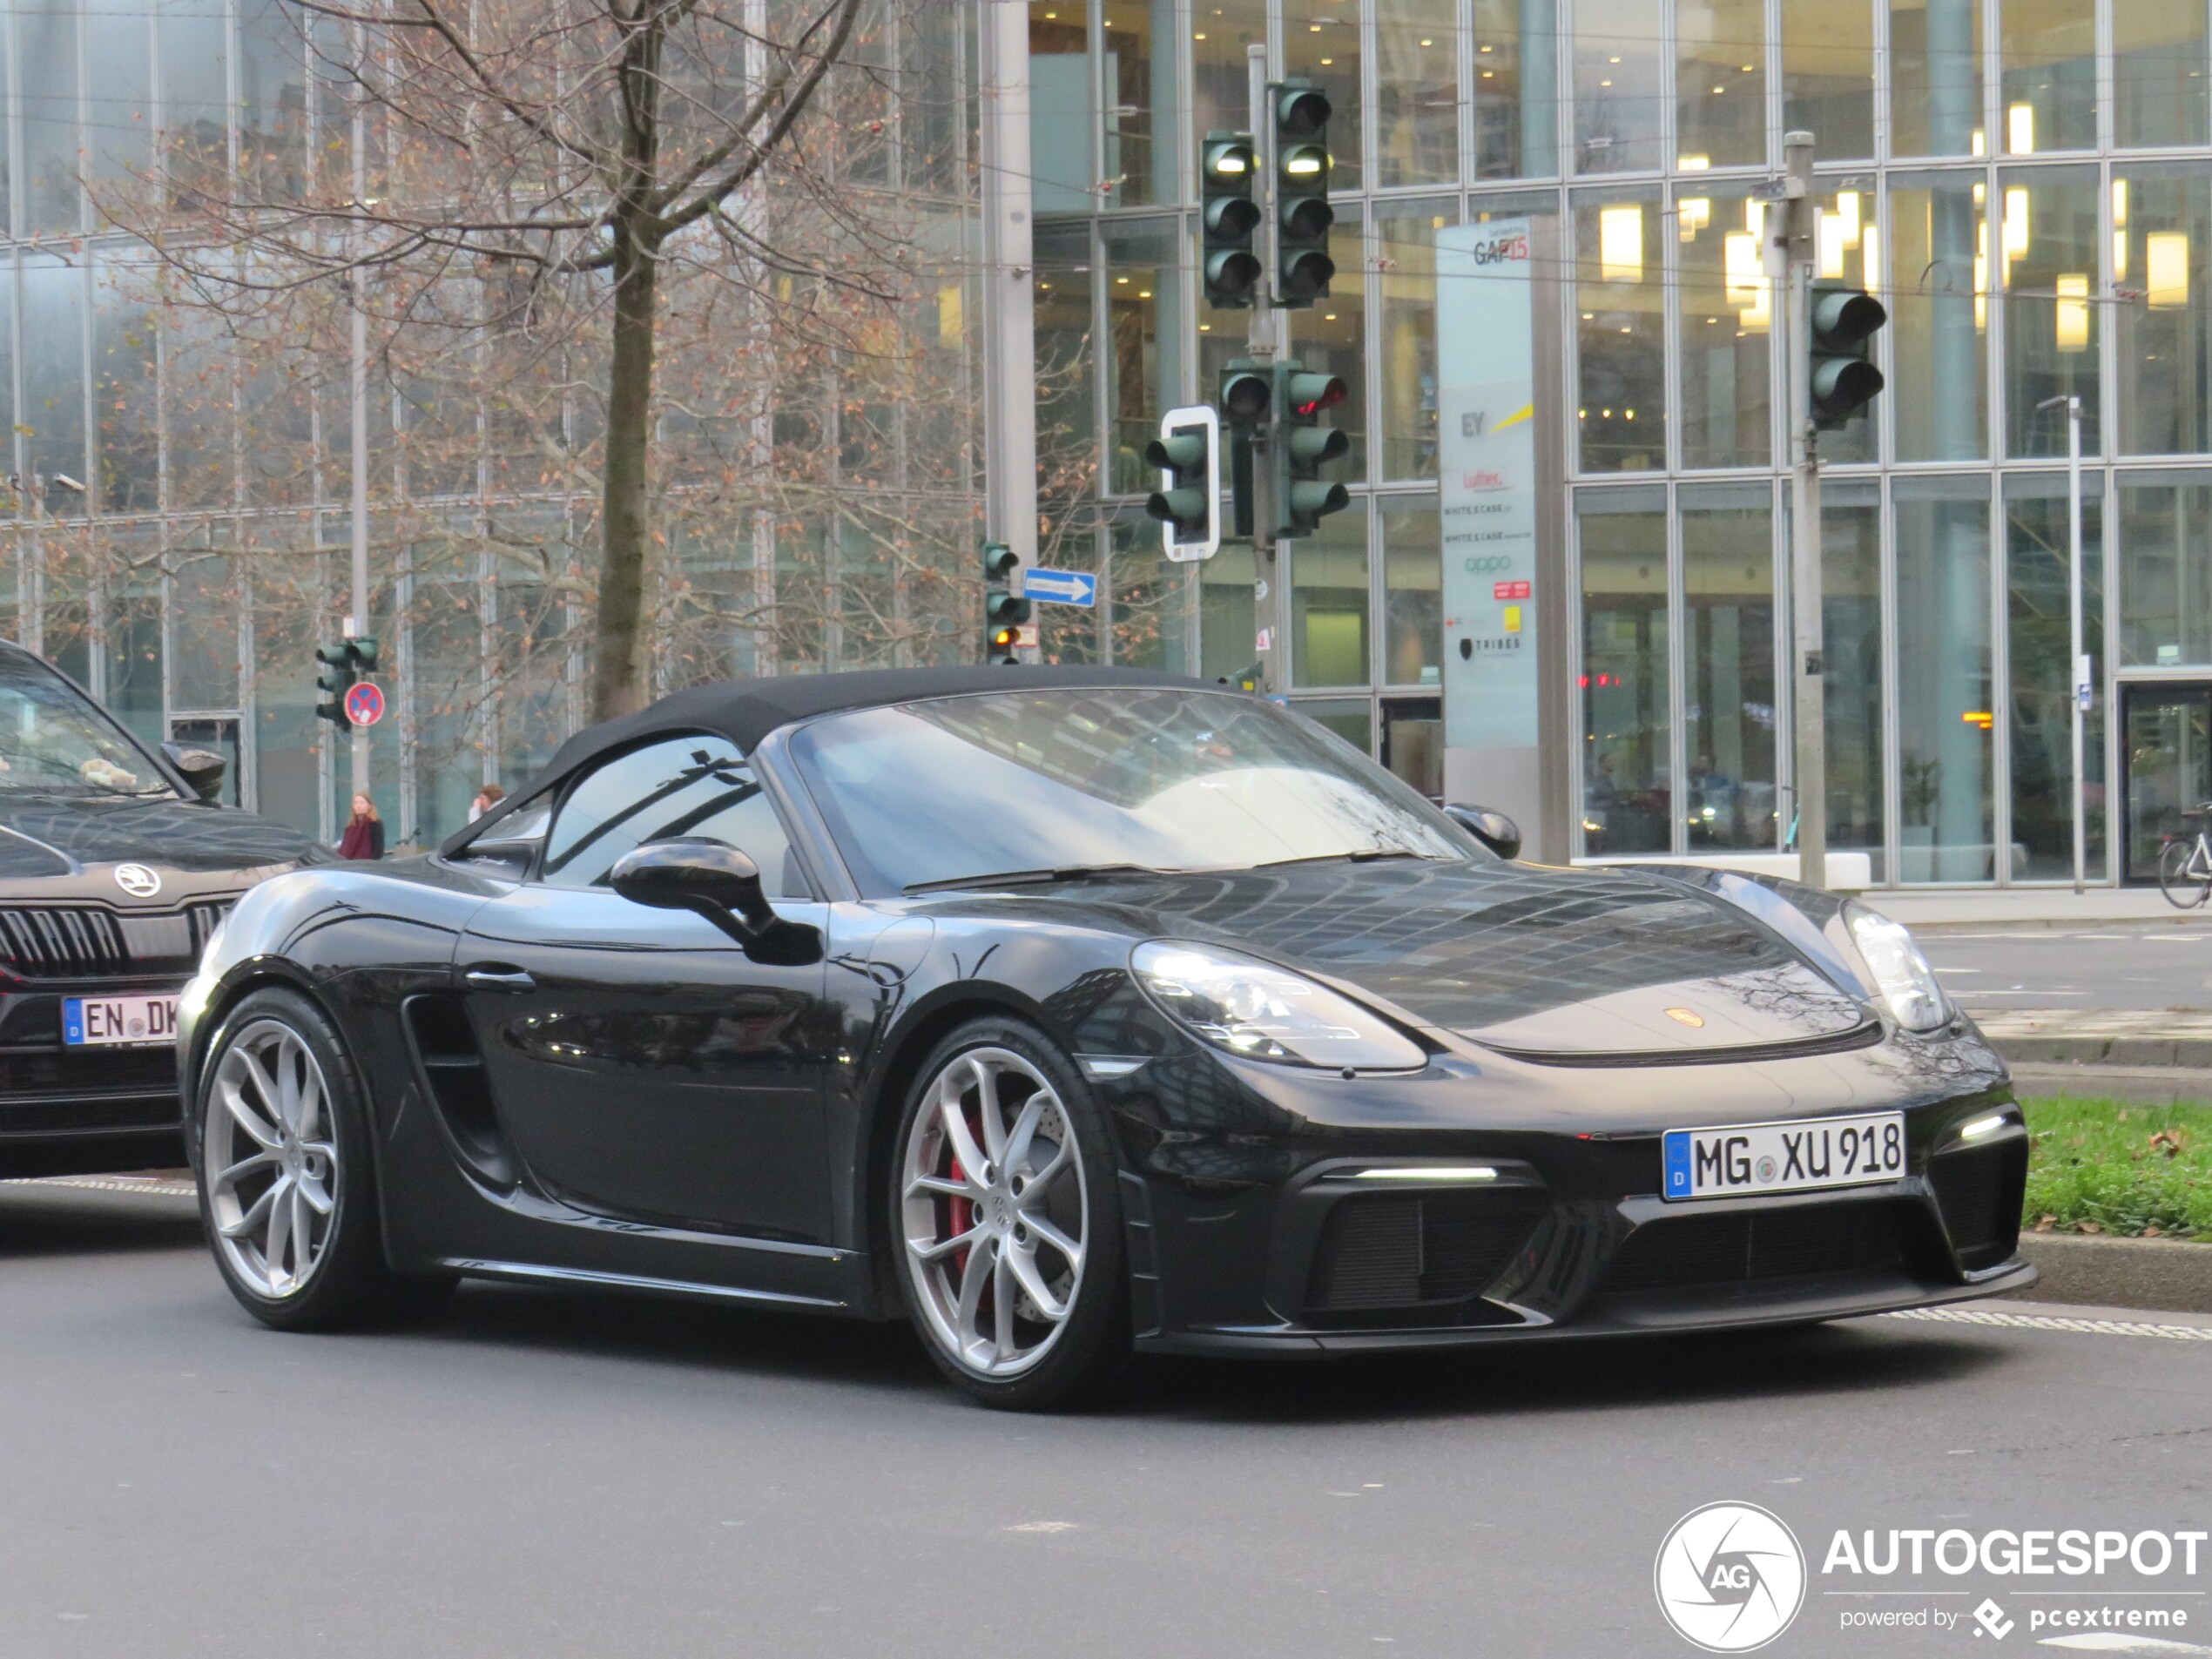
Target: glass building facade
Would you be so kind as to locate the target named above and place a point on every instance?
(2026, 185)
(176, 529)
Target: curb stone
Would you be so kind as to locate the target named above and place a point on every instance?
(2161, 1273)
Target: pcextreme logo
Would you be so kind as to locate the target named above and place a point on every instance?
(1729, 1577)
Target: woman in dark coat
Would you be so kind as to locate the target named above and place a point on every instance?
(364, 837)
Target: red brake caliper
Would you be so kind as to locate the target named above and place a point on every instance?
(961, 1217)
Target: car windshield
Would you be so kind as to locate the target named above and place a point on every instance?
(1028, 783)
(53, 742)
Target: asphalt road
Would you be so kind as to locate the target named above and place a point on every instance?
(2116, 965)
(550, 1474)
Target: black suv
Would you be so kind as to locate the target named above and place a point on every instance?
(116, 867)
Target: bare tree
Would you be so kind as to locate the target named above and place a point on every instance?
(531, 182)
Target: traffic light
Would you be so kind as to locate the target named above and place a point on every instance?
(1188, 502)
(1004, 610)
(1230, 217)
(343, 666)
(1246, 396)
(1843, 381)
(336, 679)
(1302, 497)
(1302, 210)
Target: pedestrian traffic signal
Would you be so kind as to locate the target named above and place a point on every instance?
(1842, 379)
(1188, 502)
(1302, 497)
(1004, 610)
(1302, 211)
(1229, 217)
(343, 666)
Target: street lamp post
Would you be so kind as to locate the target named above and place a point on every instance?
(2082, 685)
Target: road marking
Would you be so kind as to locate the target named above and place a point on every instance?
(2056, 1322)
(2118, 1641)
(89, 1183)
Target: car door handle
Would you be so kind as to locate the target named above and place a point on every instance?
(495, 978)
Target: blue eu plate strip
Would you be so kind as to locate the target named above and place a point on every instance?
(1675, 1153)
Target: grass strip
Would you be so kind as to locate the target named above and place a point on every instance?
(2120, 1169)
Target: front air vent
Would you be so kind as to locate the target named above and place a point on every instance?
(1979, 1193)
(58, 941)
(1418, 1259)
(453, 1074)
(1695, 1252)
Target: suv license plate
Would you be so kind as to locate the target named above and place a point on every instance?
(1747, 1160)
(111, 1022)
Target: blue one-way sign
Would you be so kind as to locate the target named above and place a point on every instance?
(1060, 587)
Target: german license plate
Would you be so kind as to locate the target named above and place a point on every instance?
(1745, 1160)
(109, 1022)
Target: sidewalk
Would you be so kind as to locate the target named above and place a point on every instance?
(2148, 1056)
(1960, 909)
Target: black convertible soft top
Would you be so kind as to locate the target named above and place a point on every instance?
(746, 711)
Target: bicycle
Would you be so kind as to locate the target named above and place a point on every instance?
(2185, 861)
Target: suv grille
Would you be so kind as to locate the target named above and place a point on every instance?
(90, 941)
(55, 942)
(1427, 1252)
(1706, 1250)
(148, 1069)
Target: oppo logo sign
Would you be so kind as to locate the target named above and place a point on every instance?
(1489, 565)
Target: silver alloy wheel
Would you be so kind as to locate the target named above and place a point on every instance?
(271, 1157)
(995, 1212)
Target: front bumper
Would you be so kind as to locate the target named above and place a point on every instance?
(80, 1110)
(1250, 1231)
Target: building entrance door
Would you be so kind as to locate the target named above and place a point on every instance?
(2168, 765)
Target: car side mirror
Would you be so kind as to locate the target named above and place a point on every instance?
(1493, 829)
(713, 880)
(202, 769)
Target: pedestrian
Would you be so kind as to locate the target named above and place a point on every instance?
(364, 837)
(487, 798)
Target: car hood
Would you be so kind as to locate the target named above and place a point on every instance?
(1570, 965)
(51, 836)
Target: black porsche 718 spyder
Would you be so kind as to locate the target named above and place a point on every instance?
(115, 867)
(1065, 1011)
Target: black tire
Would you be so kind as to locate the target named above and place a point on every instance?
(1090, 1346)
(2182, 891)
(347, 1282)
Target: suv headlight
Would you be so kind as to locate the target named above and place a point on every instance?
(1908, 984)
(1254, 1009)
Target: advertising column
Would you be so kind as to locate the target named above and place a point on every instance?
(1487, 461)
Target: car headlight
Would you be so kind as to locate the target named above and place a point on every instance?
(1251, 1009)
(1907, 983)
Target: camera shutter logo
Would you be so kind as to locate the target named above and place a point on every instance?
(1729, 1577)
(137, 881)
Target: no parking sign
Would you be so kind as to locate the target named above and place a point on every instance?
(364, 703)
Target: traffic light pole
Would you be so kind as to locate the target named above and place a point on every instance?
(1262, 345)
(1810, 705)
(359, 621)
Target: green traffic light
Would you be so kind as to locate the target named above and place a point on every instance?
(1312, 445)
(1311, 499)
(1181, 507)
(1179, 453)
